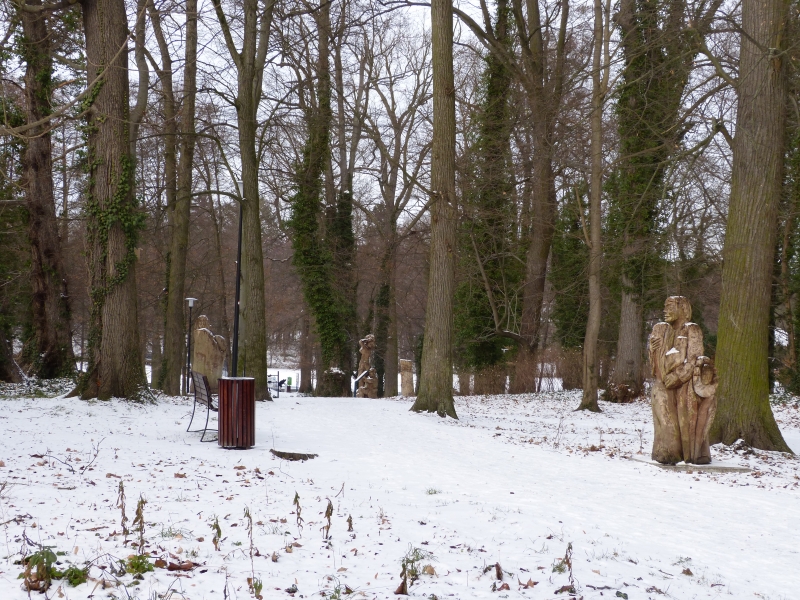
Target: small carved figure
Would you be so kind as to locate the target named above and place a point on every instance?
(367, 346)
(208, 352)
(684, 387)
(368, 384)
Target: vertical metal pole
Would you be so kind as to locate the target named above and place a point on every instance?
(188, 353)
(235, 349)
(278, 395)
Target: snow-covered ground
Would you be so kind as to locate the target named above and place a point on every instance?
(514, 483)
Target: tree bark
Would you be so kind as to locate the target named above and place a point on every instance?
(51, 346)
(306, 354)
(600, 73)
(178, 201)
(392, 359)
(436, 382)
(115, 366)
(544, 88)
(249, 64)
(743, 336)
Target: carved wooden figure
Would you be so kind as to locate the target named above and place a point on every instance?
(208, 352)
(367, 385)
(684, 387)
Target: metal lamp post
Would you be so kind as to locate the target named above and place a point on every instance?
(191, 302)
(235, 350)
(237, 402)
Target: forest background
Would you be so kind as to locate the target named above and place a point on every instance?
(507, 191)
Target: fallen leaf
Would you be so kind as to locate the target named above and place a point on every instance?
(240, 468)
(201, 539)
(180, 475)
(429, 570)
(687, 571)
(2, 464)
(274, 557)
(566, 588)
(341, 569)
(109, 475)
(527, 586)
(498, 572)
(160, 563)
(503, 587)
(289, 549)
(184, 566)
(402, 589)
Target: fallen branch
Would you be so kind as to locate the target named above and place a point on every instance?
(292, 455)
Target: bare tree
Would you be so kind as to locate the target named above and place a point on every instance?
(249, 63)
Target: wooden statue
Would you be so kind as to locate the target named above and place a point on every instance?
(368, 384)
(208, 352)
(684, 387)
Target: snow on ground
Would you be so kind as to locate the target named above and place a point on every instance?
(514, 482)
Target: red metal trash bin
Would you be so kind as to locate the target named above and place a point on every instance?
(237, 412)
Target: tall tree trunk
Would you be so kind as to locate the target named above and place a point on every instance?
(51, 346)
(600, 72)
(436, 383)
(178, 189)
(115, 367)
(249, 64)
(392, 360)
(660, 39)
(306, 354)
(9, 371)
(743, 336)
(223, 312)
(628, 363)
(544, 87)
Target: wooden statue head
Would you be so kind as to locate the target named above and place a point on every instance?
(677, 309)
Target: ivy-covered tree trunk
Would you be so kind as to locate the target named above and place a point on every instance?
(49, 351)
(113, 218)
(436, 381)
(489, 272)
(660, 39)
(743, 409)
(315, 253)
(386, 355)
(306, 354)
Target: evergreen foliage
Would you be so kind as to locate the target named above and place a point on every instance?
(569, 265)
(658, 53)
(15, 291)
(490, 274)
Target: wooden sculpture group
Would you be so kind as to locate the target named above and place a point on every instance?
(684, 387)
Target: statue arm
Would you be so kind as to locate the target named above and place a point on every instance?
(694, 348)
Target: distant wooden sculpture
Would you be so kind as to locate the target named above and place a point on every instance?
(406, 378)
(368, 384)
(208, 352)
(684, 388)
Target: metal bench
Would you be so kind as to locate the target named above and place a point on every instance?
(202, 396)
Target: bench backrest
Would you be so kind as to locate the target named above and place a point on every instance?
(202, 389)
